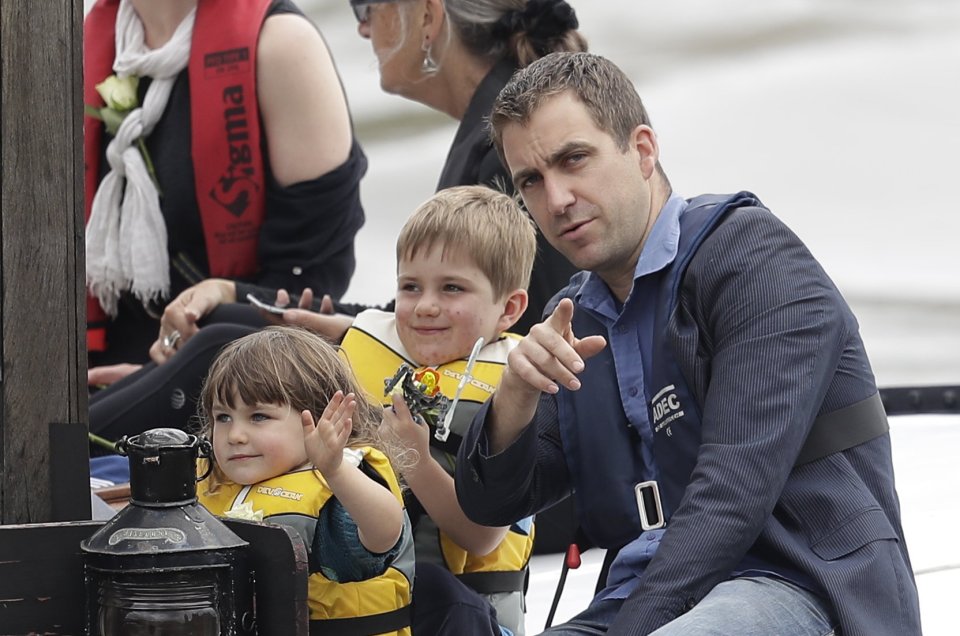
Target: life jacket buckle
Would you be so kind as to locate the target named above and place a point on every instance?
(649, 505)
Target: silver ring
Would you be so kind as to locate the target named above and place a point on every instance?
(171, 339)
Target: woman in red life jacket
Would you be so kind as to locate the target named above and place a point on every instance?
(453, 56)
(234, 159)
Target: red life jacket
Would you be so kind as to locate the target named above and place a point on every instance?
(225, 125)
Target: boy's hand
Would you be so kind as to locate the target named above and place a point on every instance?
(412, 434)
(325, 443)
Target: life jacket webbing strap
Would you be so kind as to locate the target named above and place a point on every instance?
(495, 582)
(844, 428)
(384, 623)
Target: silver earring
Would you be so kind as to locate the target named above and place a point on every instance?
(429, 65)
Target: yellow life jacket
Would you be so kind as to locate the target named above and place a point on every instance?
(374, 351)
(377, 605)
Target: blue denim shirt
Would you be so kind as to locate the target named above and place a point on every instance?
(630, 338)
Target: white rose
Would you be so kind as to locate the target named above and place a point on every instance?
(119, 93)
(244, 511)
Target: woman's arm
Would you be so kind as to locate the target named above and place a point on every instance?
(301, 101)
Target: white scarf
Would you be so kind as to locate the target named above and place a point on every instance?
(126, 234)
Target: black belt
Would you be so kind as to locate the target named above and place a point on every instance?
(844, 428)
(386, 622)
(495, 582)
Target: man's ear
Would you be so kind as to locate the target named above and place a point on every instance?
(514, 305)
(644, 140)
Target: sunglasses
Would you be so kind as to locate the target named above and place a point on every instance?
(361, 8)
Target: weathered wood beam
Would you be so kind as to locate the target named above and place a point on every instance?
(43, 399)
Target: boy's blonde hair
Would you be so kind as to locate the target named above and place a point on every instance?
(488, 226)
(288, 366)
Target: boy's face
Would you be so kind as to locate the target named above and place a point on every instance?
(253, 443)
(444, 303)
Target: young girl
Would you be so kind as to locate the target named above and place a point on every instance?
(322, 477)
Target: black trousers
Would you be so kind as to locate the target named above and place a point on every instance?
(443, 606)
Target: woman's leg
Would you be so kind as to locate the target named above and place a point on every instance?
(164, 395)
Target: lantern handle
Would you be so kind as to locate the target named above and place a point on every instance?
(206, 452)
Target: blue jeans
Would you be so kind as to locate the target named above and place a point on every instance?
(746, 606)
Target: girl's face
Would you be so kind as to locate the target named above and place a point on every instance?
(395, 35)
(256, 442)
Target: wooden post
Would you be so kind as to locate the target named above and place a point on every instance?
(44, 472)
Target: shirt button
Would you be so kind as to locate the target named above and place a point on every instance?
(633, 391)
(297, 270)
(690, 604)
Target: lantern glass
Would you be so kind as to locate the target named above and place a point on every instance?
(151, 606)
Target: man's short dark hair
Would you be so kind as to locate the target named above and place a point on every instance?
(606, 92)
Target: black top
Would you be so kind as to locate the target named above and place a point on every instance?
(306, 239)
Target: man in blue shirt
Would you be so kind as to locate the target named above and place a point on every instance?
(701, 387)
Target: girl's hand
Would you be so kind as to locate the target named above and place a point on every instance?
(325, 443)
(413, 434)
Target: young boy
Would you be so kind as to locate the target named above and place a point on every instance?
(464, 261)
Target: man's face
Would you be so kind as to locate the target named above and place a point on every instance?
(592, 200)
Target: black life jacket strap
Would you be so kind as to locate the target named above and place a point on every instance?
(386, 622)
(845, 428)
(495, 582)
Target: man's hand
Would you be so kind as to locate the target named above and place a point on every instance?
(549, 356)
(179, 321)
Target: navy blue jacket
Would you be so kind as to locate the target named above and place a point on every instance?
(762, 343)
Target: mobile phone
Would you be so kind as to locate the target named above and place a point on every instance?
(259, 304)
